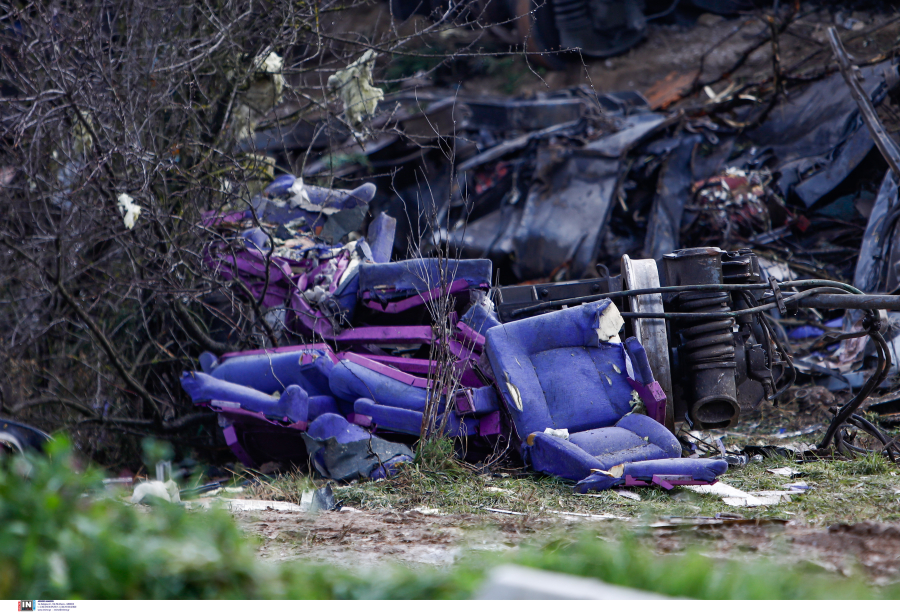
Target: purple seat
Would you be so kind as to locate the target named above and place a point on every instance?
(633, 438)
(357, 377)
(394, 400)
(409, 422)
(554, 372)
(401, 285)
(271, 370)
(570, 399)
(294, 406)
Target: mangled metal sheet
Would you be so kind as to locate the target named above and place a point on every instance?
(815, 136)
(563, 215)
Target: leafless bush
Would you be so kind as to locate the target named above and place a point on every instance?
(444, 378)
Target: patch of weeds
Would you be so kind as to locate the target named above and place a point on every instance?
(869, 465)
(437, 455)
(61, 537)
(693, 574)
(846, 491)
(839, 491)
(287, 487)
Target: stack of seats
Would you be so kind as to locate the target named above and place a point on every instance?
(571, 391)
(291, 393)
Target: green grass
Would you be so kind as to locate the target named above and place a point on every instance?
(840, 491)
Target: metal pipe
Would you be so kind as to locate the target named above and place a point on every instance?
(849, 301)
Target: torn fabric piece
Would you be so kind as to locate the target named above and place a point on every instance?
(128, 209)
(354, 86)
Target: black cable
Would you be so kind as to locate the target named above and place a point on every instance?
(816, 284)
(717, 315)
(876, 432)
(772, 338)
(884, 363)
(787, 357)
(631, 293)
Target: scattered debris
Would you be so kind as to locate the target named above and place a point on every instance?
(261, 96)
(784, 471)
(573, 515)
(128, 209)
(257, 505)
(735, 497)
(156, 490)
(628, 495)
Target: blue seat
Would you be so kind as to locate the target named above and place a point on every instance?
(395, 401)
(357, 377)
(564, 382)
(409, 422)
(271, 370)
(400, 285)
(294, 405)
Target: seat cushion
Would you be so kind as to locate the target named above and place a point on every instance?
(597, 442)
(635, 438)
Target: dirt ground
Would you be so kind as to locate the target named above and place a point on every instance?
(354, 538)
(709, 44)
(847, 522)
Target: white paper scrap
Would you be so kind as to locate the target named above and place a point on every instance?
(733, 496)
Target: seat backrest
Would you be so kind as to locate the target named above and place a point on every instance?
(420, 277)
(559, 371)
(273, 369)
